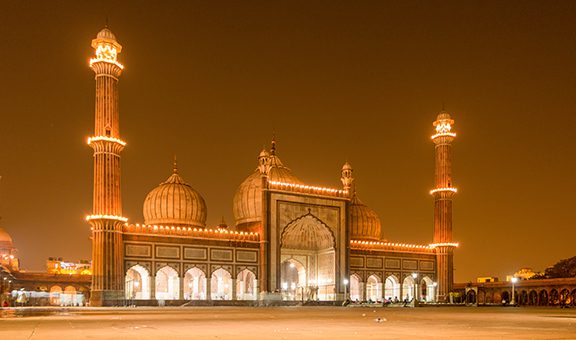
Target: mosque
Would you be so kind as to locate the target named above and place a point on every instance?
(290, 241)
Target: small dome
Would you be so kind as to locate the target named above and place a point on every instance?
(105, 33)
(364, 222)
(443, 115)
(5, 240)
(175, 203)
(248, 199)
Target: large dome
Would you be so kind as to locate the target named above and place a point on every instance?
(248, 198)
(174, 202)
(364, 222)
(5, 240)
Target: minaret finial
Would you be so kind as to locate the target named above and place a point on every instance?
(106, 25)
(175, 165)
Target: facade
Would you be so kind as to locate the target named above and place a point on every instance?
(290, 241)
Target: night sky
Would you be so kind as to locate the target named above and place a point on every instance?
(210, 81)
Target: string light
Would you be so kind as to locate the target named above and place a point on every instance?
(390, 244)
(433, 191)
(106, 217)
(207, 232)
(106, 53)
(444, 134)
(107, 139)
(323, 190)
(448, 244)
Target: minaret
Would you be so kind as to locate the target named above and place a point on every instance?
(106, 218)
(443, 193)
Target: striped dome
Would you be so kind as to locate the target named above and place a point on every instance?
(248, 198)
(175, 203)
(364, 222)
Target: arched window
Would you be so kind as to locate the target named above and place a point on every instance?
(68, 297)
(246, 285)
(194, 284)
(221, 285)
(428, 290)
(167, 284)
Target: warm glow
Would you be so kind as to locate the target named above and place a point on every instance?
(107, 139)
(433, 191)
(448, 244)
(444, 134)
(106, 53)
(389, 244)
(321, 190)
(106, 217)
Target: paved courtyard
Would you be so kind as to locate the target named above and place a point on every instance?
(292, 323)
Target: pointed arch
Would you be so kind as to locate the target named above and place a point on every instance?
(167, 284)
(137, 283)
(392, 288)
(195, 284)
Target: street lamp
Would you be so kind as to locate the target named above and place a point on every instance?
(415, 298)
(345, 281)
(514, 280)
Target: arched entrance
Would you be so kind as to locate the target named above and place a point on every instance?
(246, 285)
(532, 298)
(221, 285)
(471, 297)
(505, 296)
(374, 289)
(355, 290)
(194, 284)
(392, 288)
(167, 284)
(554, 297)
(427, 289)
(408, 288)
(543, 298)
(55, 292)
(293, 283)
(137, 283)
(308, 259)
(523, 300)
(565, 298)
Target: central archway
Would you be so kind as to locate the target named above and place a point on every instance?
(308, 263)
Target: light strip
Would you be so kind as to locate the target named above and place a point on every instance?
(97, 60)
(193, 229)
(107, 139)
(448, 244)
(106, 217)
(309, 187)
(433, 191)
(444, 134)
(390, 244)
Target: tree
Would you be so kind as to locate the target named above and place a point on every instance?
(564, 268)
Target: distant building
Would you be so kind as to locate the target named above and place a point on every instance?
(487, 279)
(58, 266)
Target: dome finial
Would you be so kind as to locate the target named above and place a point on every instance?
(175, 165)
(273, 147)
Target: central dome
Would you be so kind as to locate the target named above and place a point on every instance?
(248, 198)
(174, 202)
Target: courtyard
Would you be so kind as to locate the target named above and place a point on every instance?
(288, 323)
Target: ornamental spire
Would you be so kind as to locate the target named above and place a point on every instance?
(175, 165)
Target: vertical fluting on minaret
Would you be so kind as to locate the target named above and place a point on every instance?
(106, 218)
(443, 193)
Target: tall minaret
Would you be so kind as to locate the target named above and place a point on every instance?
(443, 193)
(106, 218)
